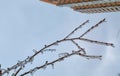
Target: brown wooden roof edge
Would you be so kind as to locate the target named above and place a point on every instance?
(63, 2)
(50, 1)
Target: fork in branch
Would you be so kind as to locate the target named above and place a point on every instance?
(81, 51)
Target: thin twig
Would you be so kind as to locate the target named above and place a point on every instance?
(30, 58)
(97, 42)
(77, 28)
(18, 71)
(83, 50)
(93, 27)
(60, 59)
(90, 56)
(27, 60)
(90, 41)
(0, 72)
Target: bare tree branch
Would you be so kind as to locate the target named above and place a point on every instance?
(29, 59)
(76, 29)
(91, 41)
(83, 50)
(0, 72)
(93, 27)
(60, 59)
(90, 56)
(97, 42)
(18, 71)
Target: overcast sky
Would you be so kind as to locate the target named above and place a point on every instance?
(31, 24)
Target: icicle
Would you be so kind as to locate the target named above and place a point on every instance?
(46, 62)
(45, 46)
(31, 73)
(100, 58)
(52, 66)
(88, 58)
(15, 70)
(31, 60)
(0, 66)
(73, 51)
(7, 71)
(20, 63)
(35, 51)
(13, 74)
(63, 54)
(27, 59)
(50, 50)
(15, 67)
(56, 44)
(61, 59)
(41, 52)
(44, 67)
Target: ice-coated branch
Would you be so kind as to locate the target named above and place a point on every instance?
(81, 51)
(0, 72)
(92, 41)
(97, 42)
(17, 71)
(77, 29)
(60, 59)
(91, 56)
(90, 29)
(80, 48)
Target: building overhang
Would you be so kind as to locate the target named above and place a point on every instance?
(88, 6)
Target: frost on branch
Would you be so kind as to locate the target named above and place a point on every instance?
(81, 52)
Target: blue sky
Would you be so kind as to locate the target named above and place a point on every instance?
(30, 24)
